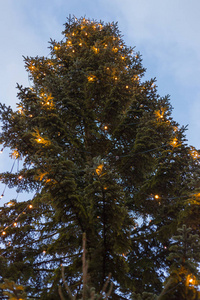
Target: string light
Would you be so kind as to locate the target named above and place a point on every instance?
(20, 177)
(56, 48)
(115, 49)
(191, 280)
(95, 49)
(99, 169)
(15, 224)
(174, 142)
(91, 78)
(30, 206)
(156, 197)
(106, 127)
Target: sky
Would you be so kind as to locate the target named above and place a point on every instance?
(165, 32)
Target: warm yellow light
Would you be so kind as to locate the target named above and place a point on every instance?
(115, 49)
(106, 127)
(105, 188)
(95, 49)
(30, 206)
(99, 169)
(44, 252)
(72, 33)
(56, 47)
(126, 86)
(20, 177)
(32, 67)
(1, 196)
(116, 78)
(15, 154)
(39, 140)
(3, 233)
(156, 197)
(14, 224)
(160, 113)
(80, 44)
(122, 57)
(69, 43)
(174, 142)
(91, 78)
(106, 45)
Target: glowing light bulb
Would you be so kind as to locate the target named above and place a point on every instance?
(126, 86)
(156, 197)
(106, 127)
(20, 177)
(80, 44)
(1, 151)
(73, 50)
(99, 169)
(116, 78)
(91, 78)
(3, 233)
(15, 224)
(44, 252)
(30, 206)
(1, 196)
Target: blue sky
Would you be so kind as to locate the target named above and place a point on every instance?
(166, 32)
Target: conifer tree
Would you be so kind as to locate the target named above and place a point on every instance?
(104, 156)
(183, 281)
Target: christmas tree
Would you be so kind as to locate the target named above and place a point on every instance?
(104, 157)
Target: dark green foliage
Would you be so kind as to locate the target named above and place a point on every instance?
(12, 291)
(97, 144)
(183, 281)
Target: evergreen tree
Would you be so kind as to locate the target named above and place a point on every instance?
(104, 156)
(184, 274)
